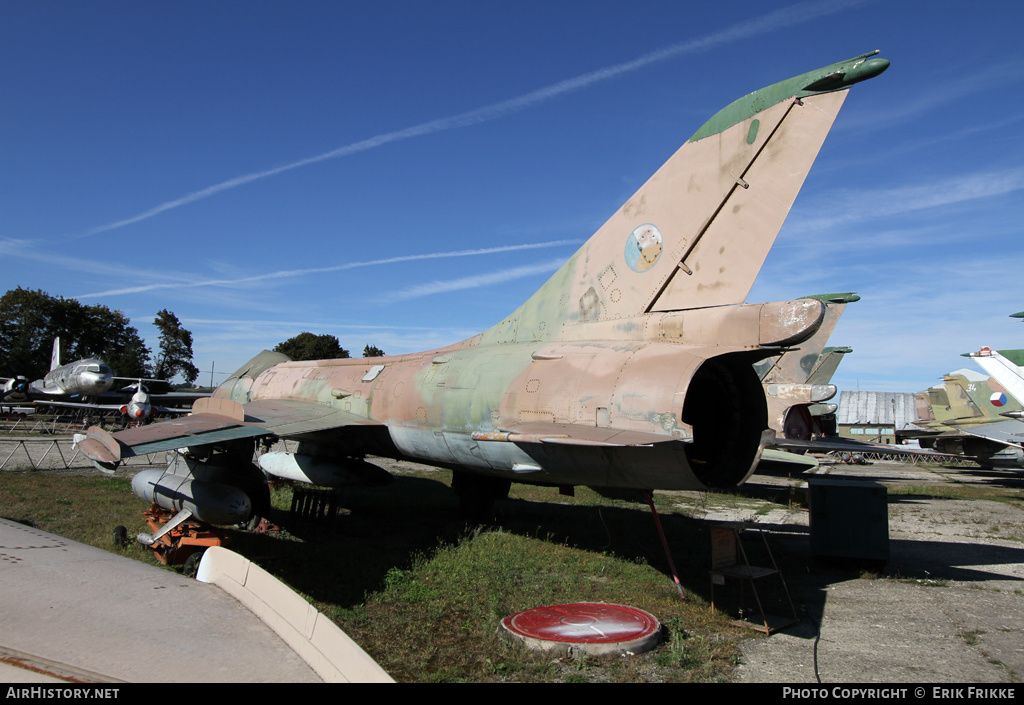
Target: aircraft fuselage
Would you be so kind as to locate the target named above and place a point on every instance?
(84, 377)
(647, 401)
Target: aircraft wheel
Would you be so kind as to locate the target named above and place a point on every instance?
(120, 536)
(191, 566)
(252, 523)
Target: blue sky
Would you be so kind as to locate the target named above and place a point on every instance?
(405, 174)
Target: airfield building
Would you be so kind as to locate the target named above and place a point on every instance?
(875, 417)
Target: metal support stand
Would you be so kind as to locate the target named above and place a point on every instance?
(175, 546)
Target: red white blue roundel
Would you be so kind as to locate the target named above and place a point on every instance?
(998, 399)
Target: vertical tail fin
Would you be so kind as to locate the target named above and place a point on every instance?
(55, 355)
(1009, 375)
(697, 233)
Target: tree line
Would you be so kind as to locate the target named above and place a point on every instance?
(30, 320)
(307, 346)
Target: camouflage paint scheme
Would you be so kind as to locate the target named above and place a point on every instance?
(1003, 365)
(796, 381)
(971, 415)
(631, 367)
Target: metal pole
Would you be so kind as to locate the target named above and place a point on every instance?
(664, 543)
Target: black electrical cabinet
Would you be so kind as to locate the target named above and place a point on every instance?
(849, 520)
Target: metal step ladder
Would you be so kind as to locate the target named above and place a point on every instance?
(729, 560)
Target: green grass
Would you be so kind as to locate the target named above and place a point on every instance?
(82, 508)
(439, 620)
(424, 594)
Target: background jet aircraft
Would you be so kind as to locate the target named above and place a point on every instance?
(797, 381)
(980, 404)
(932, 407)
(631, 367)
(139, 409)
(965, 417)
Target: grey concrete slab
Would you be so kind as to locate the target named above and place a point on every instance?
(947, 607)
(89, 610)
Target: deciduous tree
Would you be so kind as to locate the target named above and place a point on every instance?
(175, 349)
(306, 346)
(30, 320)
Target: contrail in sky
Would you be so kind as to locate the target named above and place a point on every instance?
(779, 19)
(283, 274)
(475, 281)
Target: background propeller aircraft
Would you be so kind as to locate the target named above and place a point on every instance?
(87, 377)
(632, 367)
(91, 378)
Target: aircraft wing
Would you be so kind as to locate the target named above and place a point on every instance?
(1009, 432)
(110, 407)
(842, 445)
(218, 420)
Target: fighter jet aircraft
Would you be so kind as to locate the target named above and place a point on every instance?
(87, 377)
(139, 409)
(971, 415)
(985, 415)
(797, 381)
(632, 367)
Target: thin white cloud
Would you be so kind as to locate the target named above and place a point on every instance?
(249, 324)
(989, 78)
(848, 205)
(475, 281)
(771, 22)
(288, 273)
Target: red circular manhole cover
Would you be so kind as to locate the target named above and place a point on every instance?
(591, 627)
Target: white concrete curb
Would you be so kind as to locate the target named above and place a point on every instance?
(316, 639)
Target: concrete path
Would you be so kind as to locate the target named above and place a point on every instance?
(948, 607)
(68, 610)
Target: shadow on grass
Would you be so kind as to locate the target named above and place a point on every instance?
(341, 561)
